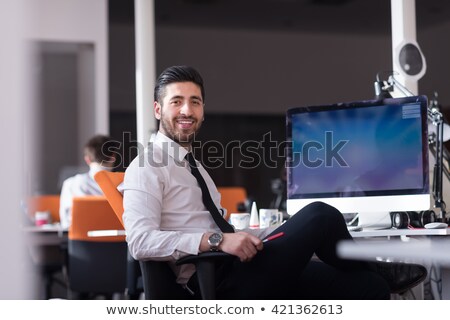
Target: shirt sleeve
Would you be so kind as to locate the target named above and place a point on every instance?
(65, 204)
(143, 194)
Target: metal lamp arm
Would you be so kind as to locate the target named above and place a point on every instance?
(385, 88)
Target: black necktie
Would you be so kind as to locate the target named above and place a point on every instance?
(206, 196)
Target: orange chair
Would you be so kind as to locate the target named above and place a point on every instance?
(231, 197)
(44, 203)
(158, 279)
(93, 213)
(96, 265)
(108, 182)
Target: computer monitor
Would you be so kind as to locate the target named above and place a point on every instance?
(365, 156)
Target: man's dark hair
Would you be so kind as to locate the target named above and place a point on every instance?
(177, 74)
(96, 149)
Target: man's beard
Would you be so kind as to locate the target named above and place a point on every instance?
(177, 136)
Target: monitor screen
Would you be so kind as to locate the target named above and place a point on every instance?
(366, 156)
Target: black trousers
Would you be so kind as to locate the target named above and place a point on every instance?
(284, 269)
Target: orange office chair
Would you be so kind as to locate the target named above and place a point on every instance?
(158, 279)
(108, 182)
(48, 202)
(232, 198)
(96, 264)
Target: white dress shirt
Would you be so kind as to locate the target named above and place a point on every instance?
(82, 184)
(164, 216)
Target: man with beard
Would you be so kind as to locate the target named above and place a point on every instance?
(166, 217)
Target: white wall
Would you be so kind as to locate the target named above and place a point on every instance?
(14, 282)
(79, 21)
(75, 21)
(75, 31)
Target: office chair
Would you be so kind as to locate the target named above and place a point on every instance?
(232, 198)
(96, 265)
(158, 278)
(108, 182)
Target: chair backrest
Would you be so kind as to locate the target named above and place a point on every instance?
(108, 182)
(96, 265)
(91, 213)
(231, 197)
(48, 202)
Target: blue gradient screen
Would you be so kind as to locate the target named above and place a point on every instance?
(367, 149)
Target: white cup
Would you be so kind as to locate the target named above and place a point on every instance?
(42, 217)
(270, 217)
(240, 220)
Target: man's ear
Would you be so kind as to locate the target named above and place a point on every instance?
(157, 110)
(110, 162)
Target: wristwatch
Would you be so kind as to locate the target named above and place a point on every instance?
(214, 241)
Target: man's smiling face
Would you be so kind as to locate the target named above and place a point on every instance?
(181, 112)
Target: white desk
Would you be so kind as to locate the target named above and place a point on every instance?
(52, 234)
(370, 233)
(435, 251)
(424, 246)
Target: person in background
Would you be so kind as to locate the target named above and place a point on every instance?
(165, 218)
(98, 157)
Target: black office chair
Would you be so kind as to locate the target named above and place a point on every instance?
(159, 279)
(134, 286)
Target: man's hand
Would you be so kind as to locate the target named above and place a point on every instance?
(241, 244)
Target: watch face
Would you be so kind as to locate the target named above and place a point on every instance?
(215, 239)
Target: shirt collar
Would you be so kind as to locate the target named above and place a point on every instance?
(174, 150)
(95, 167)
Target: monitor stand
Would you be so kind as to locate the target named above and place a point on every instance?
(374, 220)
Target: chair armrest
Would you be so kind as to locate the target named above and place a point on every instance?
(105, 233)
(210, 256)
(205, 263)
